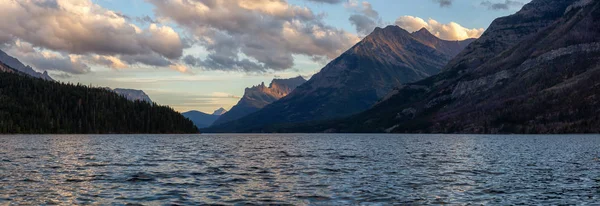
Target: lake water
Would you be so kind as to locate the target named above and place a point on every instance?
(318, 169)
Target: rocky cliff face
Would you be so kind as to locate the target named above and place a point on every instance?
(353, 82)
(507, 31)
(257, 97)
(537, 71)
(4, 68)
(133, 95)
(17, 65)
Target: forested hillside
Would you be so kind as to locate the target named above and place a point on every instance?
(35, 106)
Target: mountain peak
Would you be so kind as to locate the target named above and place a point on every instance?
(219, 112)
(388, 28)
(423, 32)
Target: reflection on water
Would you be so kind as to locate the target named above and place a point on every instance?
(299, 169)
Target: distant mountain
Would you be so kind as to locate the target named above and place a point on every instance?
(537, 71)
(133, 95)
(257, 97)
(203, 120)
(219, 112)
(17, 65)
(33, 106)
(353, 82)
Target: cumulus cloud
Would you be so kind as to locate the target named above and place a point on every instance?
(86, 30)
(507, 4)
(253, 34)
(449, 31)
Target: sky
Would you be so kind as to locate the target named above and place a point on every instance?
(201, 54)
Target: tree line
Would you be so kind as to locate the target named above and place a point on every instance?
(35, 106)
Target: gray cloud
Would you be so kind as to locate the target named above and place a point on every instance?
(365, 18)
(256, 35)
(363, 24)
(151, 60)
(507, 4)
(58, 63)
(215, 62)
(444, 3)
(47, 60)
(146, 20)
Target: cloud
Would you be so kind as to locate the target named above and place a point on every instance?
(365, 18)
(58, 62)
(363, 24)
(449, 31)
(180, 67)
(257, 35)
(444, 3)
(46, 59)
(224, 95)
(507, 4)
(364, 8)
(109, 61)
(326, 1)
(217, 62)
(86, 30)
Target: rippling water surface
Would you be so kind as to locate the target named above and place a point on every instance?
(299, 169)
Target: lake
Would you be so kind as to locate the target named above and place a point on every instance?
(299, 169)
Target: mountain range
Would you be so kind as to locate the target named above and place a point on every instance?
(203, 120)
(536, 71)
(353, 82)
(257, 97)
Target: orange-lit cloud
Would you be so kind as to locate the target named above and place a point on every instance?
(449, 31)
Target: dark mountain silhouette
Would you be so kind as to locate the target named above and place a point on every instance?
(203, 120)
